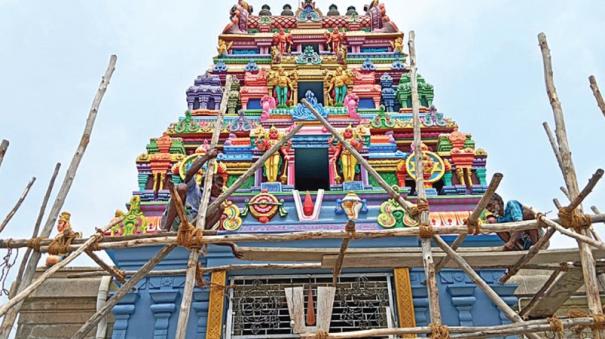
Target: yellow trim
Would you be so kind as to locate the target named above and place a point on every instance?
(405, 302)
(214, 326)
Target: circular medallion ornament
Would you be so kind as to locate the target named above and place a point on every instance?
(434, 167)
(264, 206)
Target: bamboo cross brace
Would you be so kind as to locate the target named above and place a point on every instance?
(3, 147)
(555, 147)
(540, 294)
(597, 93)
(533, 251)
(181, 330)
(474, 217)
(9, 319)
(15, 208)
(120, 293)
(489, 292)
(406, 205)
(571, 180)
(115, 273)
(250, 171)
(350, 228)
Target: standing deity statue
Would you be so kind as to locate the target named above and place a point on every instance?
(283, 41)
(335, 40)
(397, 45)
(284, 86)
(223, 47)
(239, 18)
(346, 160)
(340, 79)
(273, 165)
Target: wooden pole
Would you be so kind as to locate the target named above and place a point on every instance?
(489, 292)
(553, 144)
(120, 293)
(592, 182)
(533, 251)
(115, 273)
(3, 147)
(9, 319)
(427, 252)
(571, 181)
(200, 223)
(597, 93)
(15, 208)
(541, 292)
(250, 171)
(406, 205)
(350, 228)
(474, 217)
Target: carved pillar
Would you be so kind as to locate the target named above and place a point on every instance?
(405, 302)
(506, 292)
(291, 168)
(200, 306)
(214, 327)
(163, 307)
(421, 300)
(121, 313)
(463, 299)
(143, 178)
(364, 177)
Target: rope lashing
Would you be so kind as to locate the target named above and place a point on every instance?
(189, 236)
(474, 226)
(439, 332)
(421, 206)
(35, 243)
(574, 218)
(556, 325)
(425, 231)
(321, 334)
(62, 242)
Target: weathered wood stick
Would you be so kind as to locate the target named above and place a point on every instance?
(533, 251)
(3, 148)
(41, 212)
(120, 293)
(115, 273)
(405, 204)
(474, 217)
(489, 292)
(427, 253)
(343, 249)
(15, 208)
(553, 145)
(540, 294)
(250, 171)
(597, 93)
(578, 236)
(200, 223)
(592, 182)
(564, 190)
(571, 181)
(9, 319)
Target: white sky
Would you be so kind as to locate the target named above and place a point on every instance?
(481, 56)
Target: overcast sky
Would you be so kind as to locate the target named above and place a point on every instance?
(481, 56)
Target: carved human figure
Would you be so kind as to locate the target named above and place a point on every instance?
(348, 163)
(223, 47)
(335, 40)
(397, 45)
(351, 102)
(267, 104)
(239, 18)
(276, 55)
(274, 163)
(283, 41)
(340, 80)
(283, 86)
(65, 232)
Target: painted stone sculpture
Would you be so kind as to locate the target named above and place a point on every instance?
(274, 165)
(434, 167)
(264, 206)
(283, 83)
(57, 248)
(392, 215)
(335, 39)
(346, 160)
(231, 220)
(339, 80)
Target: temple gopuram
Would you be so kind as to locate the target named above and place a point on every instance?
(351, 66)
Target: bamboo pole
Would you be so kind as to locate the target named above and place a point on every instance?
(597, 93)
(474, 217)
(533, 251)
(200, 223)
(489, 292)
(9, 319)
(120, 293)
(15, 208)
(427, 253)
(541, 292)
(592, 182)
(115, 273)
(571, 181)
(406, 205)
(3, 148)
(250, 171)
(350, 228)
(555, 147)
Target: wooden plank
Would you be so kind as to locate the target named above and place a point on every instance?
(325, 303)
(296, 308)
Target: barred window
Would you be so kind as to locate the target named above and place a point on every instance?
(258, 306)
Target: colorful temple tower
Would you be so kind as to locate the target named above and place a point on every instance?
(351, 67)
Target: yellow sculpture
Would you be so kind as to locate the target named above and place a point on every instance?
(397, 45)
(223, 47)
(273, 165)
(348, 163)
(339, 80)
(284, 86)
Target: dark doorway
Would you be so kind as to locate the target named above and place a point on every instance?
(316, 87)
(311, 169)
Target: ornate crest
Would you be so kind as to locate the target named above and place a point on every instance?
(264, 206)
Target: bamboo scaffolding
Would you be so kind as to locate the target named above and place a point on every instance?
(115, 273)
(122, 291)
(542, 291)
(200, 223)
(15, 208)
(350, 228)
(474, 217)
(3, 148)
(9, 319)
(571, 182)
(597, 93)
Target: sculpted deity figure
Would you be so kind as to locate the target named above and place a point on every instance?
(351, 102)
(340, 79)
(223, 47)
(273, 165)
(335, 40)
(284, 85)
(239, 18)
(64, 237)
(397, 45)
(283, 41)
(346, 160)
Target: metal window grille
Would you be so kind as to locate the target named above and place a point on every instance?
(258, 306)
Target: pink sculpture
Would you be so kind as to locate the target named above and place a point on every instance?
(351, 103)
(267, 103)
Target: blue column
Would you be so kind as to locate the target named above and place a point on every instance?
(162, 308)
(200, 306)
(421, 300)
(463, 299)
(121, 313)
(507, 294)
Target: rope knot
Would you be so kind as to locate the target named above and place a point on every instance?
(62, 242)
(439, 332)
(189, 236)
(474, 226)
(199, 276)
(321, 334)
(425, 231)
(35, 243)
(422, 205)
(574, 218)
(556, 325)
(599, 321)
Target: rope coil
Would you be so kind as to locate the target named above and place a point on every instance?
(62, 242)
(189, 236)
(474, 226)
(556, 325)
(574, 218)
(425, 231)
(439, 332)
(35, 243)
